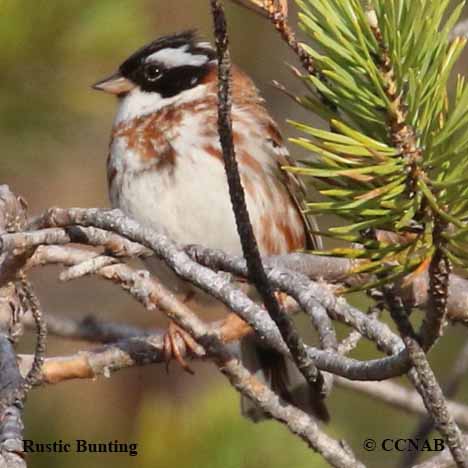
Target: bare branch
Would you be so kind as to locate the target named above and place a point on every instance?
(424, 380)
(153, 295)
(443, 460)
(298, 287)
(88, 329)
(31, 302)
(353, 339)
(147, 350)
(278, 17)
(12, 218)
(11, 439)
(277, 12)
(232, 328)
(297, 421)
(13, 387)
(450, 389)
(249, 244)
(399, 397)
(88, 267)
(239, 303)
(11, 405)
(328, 269)
(310, 295)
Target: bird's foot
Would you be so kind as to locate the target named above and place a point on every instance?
(177, 343)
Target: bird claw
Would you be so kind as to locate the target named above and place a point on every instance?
(177, 343)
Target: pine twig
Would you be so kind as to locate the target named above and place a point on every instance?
(439, 275)
(249, 244)
(404, 138)
(277, 12)
(258, 6)
(278, 17)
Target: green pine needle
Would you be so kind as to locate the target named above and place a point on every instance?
(390, 63)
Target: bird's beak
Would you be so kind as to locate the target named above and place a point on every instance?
(114, 84)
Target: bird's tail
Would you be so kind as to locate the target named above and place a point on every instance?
(283, 377)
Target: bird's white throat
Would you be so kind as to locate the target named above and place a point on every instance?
(138, 103)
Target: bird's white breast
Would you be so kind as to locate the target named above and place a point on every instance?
(189, 200)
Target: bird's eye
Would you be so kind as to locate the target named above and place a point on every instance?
(152, 72)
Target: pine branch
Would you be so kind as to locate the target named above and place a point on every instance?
(439, 274)
(389, 83)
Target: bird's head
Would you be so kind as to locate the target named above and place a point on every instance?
(161, 70)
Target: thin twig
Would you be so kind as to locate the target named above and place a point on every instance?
(232, 328)
(154, 296)
(88, 329)
(258, 6)
(443, 459)
(88, 267)
(147, 350)
(12, 218)
(249, 244)
(31, 302)
(158, 297)
(425, 380)
(449, 389)
(397, 396)
(11, 405)
(328, 269)
(353, 339)
(439, 272)
(277, 12)
(278, 17)
(220, 288)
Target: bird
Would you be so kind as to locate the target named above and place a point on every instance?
(165, 169)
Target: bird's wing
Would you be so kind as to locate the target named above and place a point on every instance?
(296, 187)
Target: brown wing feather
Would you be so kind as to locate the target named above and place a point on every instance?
(245, 95)
(295, 186)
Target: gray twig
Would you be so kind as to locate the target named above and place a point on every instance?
(88, 329)
(400, 397)
(449, 389)
(443, 460)
(353, 339)
(425, 382)
(254, 315)
(219, 287)
(153, 295)
(31, 302)
(12, 218)
(328, 269)
(11, 405)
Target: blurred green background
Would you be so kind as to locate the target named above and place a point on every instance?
(54, 133)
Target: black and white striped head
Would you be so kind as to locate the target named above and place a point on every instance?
(161, 70)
